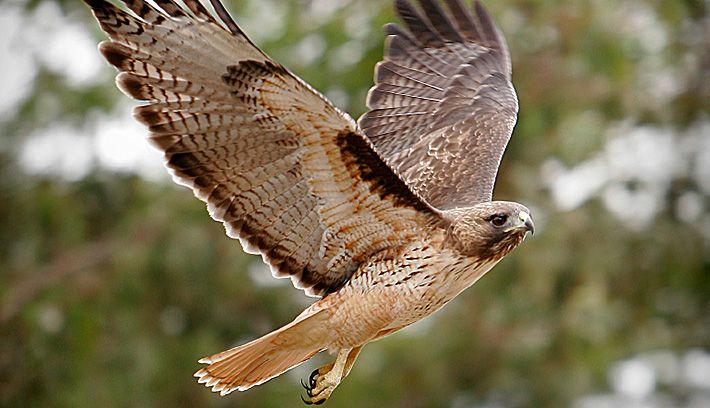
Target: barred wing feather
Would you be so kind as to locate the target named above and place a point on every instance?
(443, 106)
(284, 170)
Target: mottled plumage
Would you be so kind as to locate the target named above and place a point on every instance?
(385, 220)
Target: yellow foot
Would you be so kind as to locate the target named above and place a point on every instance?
(322, 382)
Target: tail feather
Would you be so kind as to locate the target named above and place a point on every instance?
(260, 360)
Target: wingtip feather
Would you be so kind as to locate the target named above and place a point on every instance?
(114, 53)
(96, 4)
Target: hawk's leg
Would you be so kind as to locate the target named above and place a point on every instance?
(323, 381)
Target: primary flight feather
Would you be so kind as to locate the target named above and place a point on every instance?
(385, 220)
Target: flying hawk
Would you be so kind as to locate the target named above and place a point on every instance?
(385, 219)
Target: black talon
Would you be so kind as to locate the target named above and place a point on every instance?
(313, 378)
(309, 391)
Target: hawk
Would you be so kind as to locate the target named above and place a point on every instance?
(384, 220)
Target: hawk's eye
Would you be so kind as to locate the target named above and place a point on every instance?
(499, 220)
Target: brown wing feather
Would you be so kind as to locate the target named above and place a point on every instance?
(282, 168)
(443, 106)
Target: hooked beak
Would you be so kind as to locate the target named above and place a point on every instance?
(525, 223)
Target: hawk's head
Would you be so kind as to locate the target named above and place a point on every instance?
(490, 229)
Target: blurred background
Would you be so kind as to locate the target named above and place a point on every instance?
(114, 281)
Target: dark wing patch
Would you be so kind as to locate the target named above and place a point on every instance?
(443, 106)
(365, 164)
(284, 170)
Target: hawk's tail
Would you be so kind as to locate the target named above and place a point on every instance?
(256, 362)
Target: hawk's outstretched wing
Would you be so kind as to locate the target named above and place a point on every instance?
(443, 107)
(289, 174)
(283, 169)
